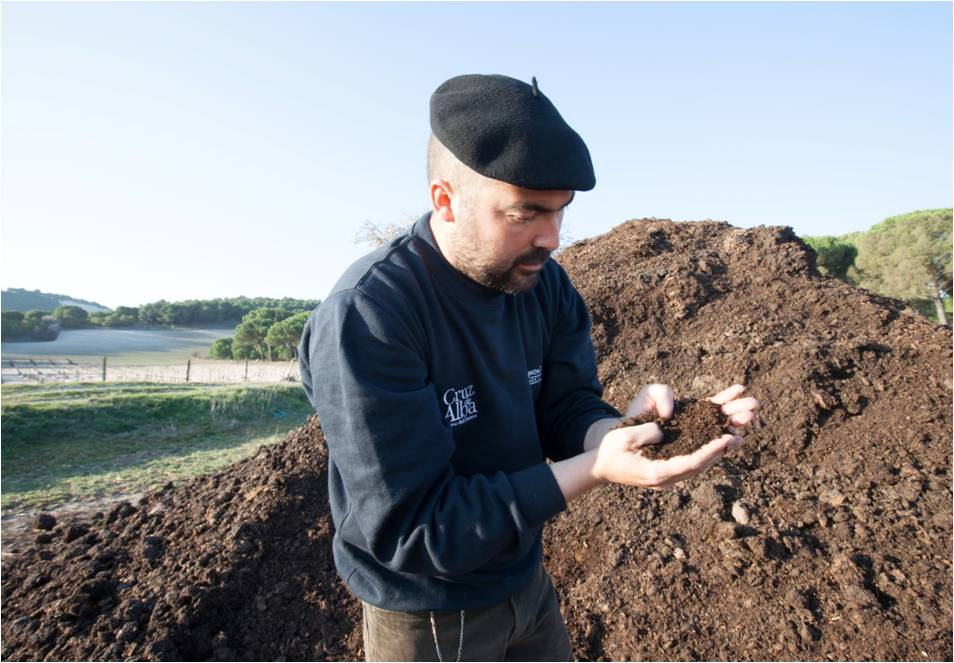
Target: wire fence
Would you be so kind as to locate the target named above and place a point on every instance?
(193, 370)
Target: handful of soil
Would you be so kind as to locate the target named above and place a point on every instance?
(693, 423)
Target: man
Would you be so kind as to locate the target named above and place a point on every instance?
(447, 366)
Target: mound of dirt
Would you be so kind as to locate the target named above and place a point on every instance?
(231, 566)
(826, 536)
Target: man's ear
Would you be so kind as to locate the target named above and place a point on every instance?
(441, 191)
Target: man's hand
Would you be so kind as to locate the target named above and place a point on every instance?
(614, 455)
(652, 398)
(658, 398)
(619, 457)
(739, 410)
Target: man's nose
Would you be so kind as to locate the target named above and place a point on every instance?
(549, 235)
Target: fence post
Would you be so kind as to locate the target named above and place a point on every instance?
(188, 366)
(246, 371)
(104, 369)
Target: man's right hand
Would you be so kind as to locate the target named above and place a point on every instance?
(619, 458)
(615, 454)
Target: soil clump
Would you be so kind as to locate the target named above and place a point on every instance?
(827, 535)
(693, 423)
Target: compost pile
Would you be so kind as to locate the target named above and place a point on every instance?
(231, 566)
(826, 536)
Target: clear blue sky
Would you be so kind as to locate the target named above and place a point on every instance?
(211, 150)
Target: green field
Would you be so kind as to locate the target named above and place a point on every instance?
(78, 442)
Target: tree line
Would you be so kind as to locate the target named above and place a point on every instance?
(40, 325)
(906, 256)
(267, 333)
(29, 326)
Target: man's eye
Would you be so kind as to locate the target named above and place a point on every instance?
(521, 219)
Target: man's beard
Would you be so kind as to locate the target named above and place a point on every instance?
(512, 281)
(508, 279)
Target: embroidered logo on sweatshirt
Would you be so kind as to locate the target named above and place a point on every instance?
(461, 405)
(535, 375)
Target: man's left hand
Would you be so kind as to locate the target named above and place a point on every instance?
(740, 411)
(658, 398)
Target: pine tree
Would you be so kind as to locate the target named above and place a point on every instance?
(909, 256)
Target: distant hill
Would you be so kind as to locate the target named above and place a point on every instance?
(18, 299)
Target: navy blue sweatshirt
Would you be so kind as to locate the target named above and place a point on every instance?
(440, 400)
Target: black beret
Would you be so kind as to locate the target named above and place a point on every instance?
(507, 130)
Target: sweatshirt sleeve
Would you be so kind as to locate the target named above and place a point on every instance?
(364, 371)
(571, 396)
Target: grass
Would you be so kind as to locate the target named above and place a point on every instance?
(71, 442)
(927, 309)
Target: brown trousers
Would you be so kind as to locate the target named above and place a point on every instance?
(526, 627)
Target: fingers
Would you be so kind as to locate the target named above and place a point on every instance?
(727, 395)
(641, 404)
(741, 418)
(649, 434)
(740, 405)
(662, 398)
(741, 411)
(679, 468)
(734, 443)
(683, 467)
(644, 434)
(656, 398)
